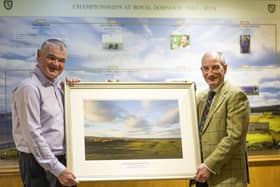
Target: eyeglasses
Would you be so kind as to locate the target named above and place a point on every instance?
(214, 68)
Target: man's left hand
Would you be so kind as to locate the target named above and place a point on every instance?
(202, 173)
(71, 81)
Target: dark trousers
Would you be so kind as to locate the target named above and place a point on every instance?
(33, 175)
(197, 184)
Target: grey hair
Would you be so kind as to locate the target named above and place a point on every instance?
(222, 57)
(214, 54)
(55, 42)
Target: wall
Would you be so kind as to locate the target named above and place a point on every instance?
(261, 67)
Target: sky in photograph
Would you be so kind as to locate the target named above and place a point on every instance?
(132, 118)
(145, 53)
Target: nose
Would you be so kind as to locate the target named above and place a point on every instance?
(210, 71)
(57, 62)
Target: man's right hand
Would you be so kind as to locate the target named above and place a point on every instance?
(67, 178)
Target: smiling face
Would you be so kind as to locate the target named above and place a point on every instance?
(51, 60)
(213, 69)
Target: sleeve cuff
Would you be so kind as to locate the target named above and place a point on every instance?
(57, 169)
(213, 172)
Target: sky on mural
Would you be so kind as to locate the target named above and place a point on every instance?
(132, 118)
(145, 54)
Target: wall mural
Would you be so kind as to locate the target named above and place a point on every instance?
(150, 49)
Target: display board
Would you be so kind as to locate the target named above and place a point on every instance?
(148, 41)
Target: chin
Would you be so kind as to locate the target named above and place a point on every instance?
(213, 86)
(52, 77)
(53, 74)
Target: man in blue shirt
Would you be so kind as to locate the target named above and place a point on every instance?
(38, 121)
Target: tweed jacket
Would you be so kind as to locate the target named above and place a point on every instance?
(223, 138)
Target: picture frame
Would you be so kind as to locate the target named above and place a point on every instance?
(131, 131)
(245, 43)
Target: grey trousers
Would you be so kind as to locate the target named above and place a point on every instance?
(33, 175)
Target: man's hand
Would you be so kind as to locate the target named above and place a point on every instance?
(71, 81)
(67, 178)
(202, 173)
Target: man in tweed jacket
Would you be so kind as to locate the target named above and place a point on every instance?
(223, 136)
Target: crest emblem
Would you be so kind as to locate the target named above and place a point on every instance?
(8, 4)
(271, 8)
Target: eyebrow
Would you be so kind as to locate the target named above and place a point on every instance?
(56, 57)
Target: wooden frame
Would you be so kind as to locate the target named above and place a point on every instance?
(128, 131)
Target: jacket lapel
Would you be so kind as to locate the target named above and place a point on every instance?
(220, 98)
(202, 105)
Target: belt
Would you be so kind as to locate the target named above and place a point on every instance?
(30, 154)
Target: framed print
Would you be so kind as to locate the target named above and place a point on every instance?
(245, 41)
(179, 41)
(128, 131)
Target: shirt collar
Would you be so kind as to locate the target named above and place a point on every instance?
(43, 79)
(216, 90)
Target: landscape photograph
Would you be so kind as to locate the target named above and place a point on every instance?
(263, 136)
(132, 129)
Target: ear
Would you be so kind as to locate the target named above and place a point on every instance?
(225, 68)
(38, 55)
